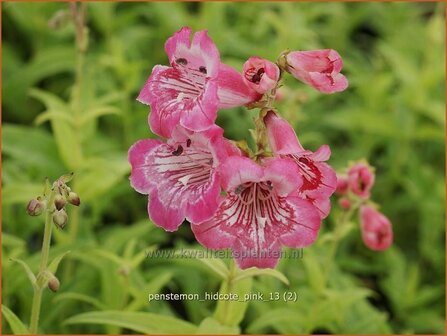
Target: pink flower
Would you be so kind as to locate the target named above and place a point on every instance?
(319, 179)
(180, 176)
(361, 179)
(342, 185)
(261, 75)
(260, 212)
(190, 91)
(377, 231)
(345, 203)
(318, 68)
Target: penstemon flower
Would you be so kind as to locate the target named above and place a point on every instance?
(260, 212)
(187, 92)
(318, 68)
(319, 179)
(361, 179)
(260, 74)
(252, 202)
(377, 232)
(179, 176)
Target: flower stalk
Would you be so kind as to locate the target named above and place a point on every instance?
(40, 285)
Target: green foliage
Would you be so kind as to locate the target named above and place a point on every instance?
(392, 114)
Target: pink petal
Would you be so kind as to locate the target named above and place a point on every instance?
(179, 96)
(178, 43)
(377, 232)
(137, 157)
(327, 83)
(164, 215)
(322, 154)
(204, 111)
(232, 90)
(205, 47)
(260, 74)
(305, 224)
(284, 175)
(319, 179)
(209, 235)
(323, 206)
(247, 258)
(282, 137)
(202, 208)
(239, 170)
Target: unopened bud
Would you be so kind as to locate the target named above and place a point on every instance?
(74, 199)
(345, 203)
(35, 207)
(59, 201)
(54, 284)
(60, 218)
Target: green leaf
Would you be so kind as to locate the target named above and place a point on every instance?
(67, 140)
(17, 326)
(20, 193)
(17, 144)
(215, 264)
(29, 273)
(146, 323)
(231, 313)
(54, 115)
(107, 170)
(55, 263)
(80, 297)
(254, 271)
(274, 317)
(212, 326)
(97, 112)
(153, 286)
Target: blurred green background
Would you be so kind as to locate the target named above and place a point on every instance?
(392, 114)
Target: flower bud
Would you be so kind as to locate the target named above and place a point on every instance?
(344, 203)
(317, 68)
(74, 199)
(60, 218)
(35, 207)
(377, 231)
(54, 284)
(342, 185)
(361, 179)
(261, 75)
(59, 201)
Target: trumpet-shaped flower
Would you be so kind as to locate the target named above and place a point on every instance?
(361, 179)
(193, 87)
(318, 68)
(260, 74)
(179, 176)
(377, 231)
(319, 179)
(260, 212)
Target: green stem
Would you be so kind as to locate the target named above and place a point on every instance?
(341, 221)
(223, 306)
(39, 285)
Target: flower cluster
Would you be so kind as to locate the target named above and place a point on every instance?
(354, 188)
(54, 199)
(252, 202)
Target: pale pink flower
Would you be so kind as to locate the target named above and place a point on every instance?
(361, 179)
(318, 68)
(260, 74)
(179, 176)
(377, 231)
(319, 179)
(193, 87)
(260, 212)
